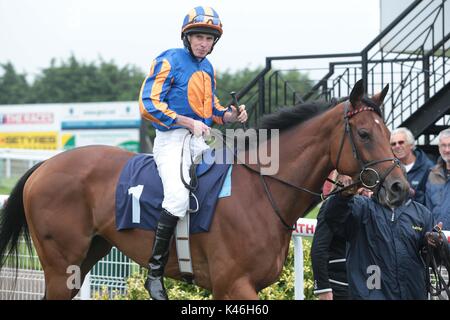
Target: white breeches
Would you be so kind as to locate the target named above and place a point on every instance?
(167, 155)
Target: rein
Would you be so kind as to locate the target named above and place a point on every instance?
(441, 285)
(365, 167)
(443, 254)
(193, 184)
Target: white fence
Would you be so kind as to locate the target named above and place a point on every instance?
(110, 273)
(15, 162)
(304, 228)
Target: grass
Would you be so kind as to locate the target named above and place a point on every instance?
(7, 184)
(5, 190)
(313, 213)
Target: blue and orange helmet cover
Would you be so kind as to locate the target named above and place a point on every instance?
(202, 20)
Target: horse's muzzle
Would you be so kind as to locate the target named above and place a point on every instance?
(396, 192)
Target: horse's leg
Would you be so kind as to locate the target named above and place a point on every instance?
(241, 289)
(62, 238)
(58, 283)
(98, 249)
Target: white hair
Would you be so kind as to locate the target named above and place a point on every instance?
(408, 134)
(443, 134)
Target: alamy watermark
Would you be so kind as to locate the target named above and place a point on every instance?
(374, 279)
(74, 279)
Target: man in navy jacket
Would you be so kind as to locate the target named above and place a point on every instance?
(383, 246)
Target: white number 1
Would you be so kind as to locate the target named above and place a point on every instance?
(136, 193)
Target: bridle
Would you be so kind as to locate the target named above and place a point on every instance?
(366, 167)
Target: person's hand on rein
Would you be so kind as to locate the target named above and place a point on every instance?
(345, 181)
(365, 192)
(435, 238)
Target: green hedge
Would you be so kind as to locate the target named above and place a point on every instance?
(178, 290)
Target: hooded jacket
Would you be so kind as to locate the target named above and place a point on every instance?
(383, 247)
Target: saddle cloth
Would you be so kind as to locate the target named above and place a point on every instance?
(139, 194)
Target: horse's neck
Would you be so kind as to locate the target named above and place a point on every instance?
(305, 162)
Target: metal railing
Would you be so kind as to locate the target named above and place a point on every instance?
(411, 55)
(109, 274)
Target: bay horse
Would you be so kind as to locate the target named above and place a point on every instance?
(66, 203)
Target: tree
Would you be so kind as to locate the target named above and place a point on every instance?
(228, 81)
(13, 86)
(74, 81)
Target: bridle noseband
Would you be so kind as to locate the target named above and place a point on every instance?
(364, 166)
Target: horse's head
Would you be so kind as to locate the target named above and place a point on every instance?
(360, 148)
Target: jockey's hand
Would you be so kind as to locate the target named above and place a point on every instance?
(435, 238)
(198, 128)
(240, 116)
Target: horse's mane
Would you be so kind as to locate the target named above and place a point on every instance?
(287, 117)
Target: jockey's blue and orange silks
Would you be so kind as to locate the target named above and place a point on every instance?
(180, 84)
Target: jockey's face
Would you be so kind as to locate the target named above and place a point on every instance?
(201, 44)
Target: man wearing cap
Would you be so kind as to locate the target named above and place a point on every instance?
(178, 97)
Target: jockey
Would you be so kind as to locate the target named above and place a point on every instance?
(178, 97)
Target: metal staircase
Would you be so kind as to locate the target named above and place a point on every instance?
(411, 54)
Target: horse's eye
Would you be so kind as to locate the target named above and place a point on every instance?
(363, 134)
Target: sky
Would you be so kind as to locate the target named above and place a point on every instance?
(136, 31)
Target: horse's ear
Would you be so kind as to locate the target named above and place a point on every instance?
(379, 98)
(357, 92)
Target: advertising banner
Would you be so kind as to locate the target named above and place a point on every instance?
(69, 125)
(29, 140)
(127, 139)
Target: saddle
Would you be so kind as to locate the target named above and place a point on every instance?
(139, 194)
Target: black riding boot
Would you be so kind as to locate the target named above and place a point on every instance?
(160, 254)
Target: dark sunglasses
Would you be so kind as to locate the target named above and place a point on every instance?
(400, 143)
